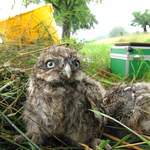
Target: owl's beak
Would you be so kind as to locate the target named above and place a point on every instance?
(67, 70)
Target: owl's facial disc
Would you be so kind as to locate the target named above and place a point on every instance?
(67, 70)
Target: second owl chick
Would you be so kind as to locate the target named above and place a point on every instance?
(129, 104)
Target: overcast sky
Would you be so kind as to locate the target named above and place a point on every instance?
(115, 13)
(110, 14)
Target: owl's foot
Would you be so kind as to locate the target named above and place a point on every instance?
(95, 143)
(34, 136)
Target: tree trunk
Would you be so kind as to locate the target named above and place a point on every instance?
(65, 29)
(145, 30)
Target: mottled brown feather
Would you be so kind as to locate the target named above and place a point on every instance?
(60, 102)
(131, 106)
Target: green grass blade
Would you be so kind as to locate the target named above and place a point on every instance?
(14, 142)
(122, 125)
(104, 143)
(32, 147)
(108, 82)
(123, 139)
(6, 85)
(19, 130)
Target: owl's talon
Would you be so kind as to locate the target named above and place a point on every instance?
(34, 136)
(95, 143)
(19, 139)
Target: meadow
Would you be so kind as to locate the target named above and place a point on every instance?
(98, 55)
(16, 62)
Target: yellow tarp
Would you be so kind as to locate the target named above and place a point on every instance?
(29, 26)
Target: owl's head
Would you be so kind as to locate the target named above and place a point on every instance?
(58, 65)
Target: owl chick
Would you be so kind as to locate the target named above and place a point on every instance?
(129, 104)
(60, 96)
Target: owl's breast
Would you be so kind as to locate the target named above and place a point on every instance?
(77, 120)
(64, 110)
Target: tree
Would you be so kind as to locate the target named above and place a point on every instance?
(141, 19)
(72, 14)
(118, 30)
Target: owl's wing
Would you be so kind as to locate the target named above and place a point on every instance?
(95, 94)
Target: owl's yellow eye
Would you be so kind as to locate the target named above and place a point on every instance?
(50, 64)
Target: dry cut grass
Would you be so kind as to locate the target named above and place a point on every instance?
(16, 62)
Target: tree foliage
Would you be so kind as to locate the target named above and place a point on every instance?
(118, 30)
(141, 19)
(72, 14)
